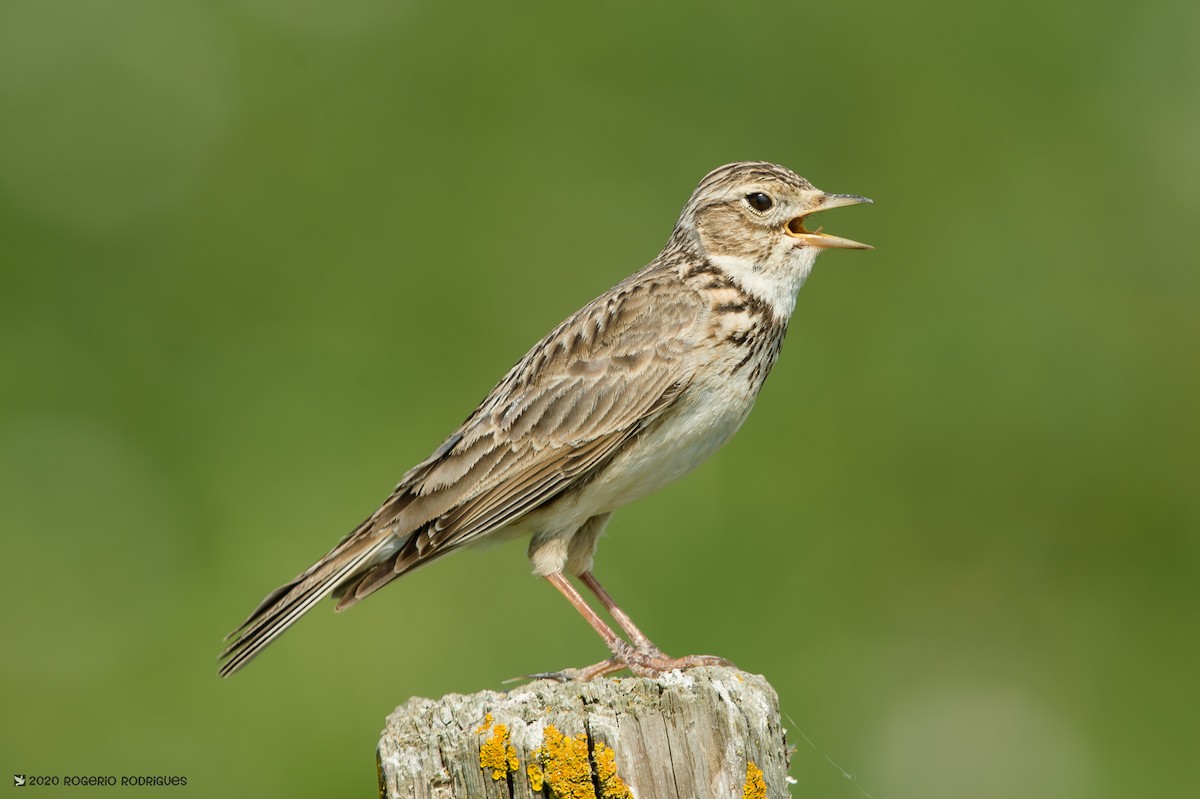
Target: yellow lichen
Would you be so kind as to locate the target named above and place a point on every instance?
(570, 771)
(755, 787)
(566, 766)
(496, 753)
(536, 778)
(611, 784)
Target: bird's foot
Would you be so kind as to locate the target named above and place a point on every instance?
(601, 669)
(657, 663)
(649, 662)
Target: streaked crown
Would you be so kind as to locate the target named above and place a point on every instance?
(755, 210)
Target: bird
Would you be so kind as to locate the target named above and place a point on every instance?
(625, 396)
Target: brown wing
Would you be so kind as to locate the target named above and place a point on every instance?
(562, 412)
(559, 414)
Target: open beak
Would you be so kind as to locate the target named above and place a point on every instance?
(795, 228)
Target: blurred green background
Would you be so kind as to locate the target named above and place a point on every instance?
(257, 257)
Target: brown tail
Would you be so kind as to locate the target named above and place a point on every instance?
(286, 604)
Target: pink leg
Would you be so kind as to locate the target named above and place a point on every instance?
(621, 651)
(645, 661)
(611, 639)
(636, 636)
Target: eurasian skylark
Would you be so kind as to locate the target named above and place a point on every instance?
(631, 392)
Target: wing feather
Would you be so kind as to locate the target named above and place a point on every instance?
(565, 409)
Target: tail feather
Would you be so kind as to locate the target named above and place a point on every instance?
(370, 581)
(285, 605)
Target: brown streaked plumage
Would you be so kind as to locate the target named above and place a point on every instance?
(628, 394)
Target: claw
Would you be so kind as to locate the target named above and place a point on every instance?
(557, 676)
(561, 676)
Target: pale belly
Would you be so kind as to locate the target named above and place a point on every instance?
(705, 418)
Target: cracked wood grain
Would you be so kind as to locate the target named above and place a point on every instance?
(703, 734)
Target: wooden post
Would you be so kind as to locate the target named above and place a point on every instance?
(707, 733)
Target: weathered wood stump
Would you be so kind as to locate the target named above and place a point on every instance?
(708, 733)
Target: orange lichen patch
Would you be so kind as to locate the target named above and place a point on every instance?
(496, 753)
(570, 771)
(755, 787)
(611, 784)
(566, 767)
(536, 778)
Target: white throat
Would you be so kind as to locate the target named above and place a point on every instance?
(777, 281)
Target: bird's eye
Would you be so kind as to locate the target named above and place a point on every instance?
(760, 202)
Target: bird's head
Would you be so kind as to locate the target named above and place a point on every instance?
(753, 214)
